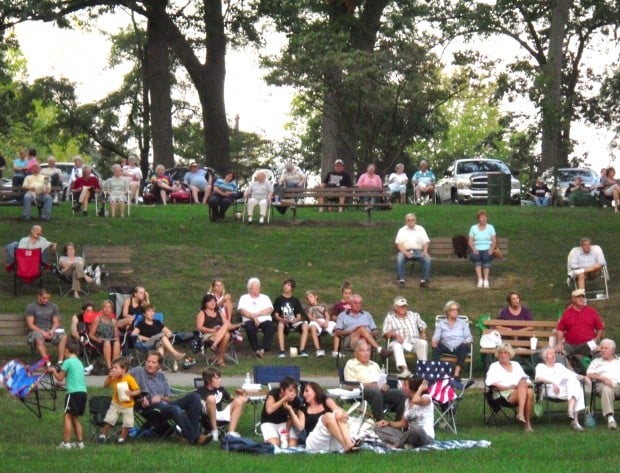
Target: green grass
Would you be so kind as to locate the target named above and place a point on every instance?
(176, 252)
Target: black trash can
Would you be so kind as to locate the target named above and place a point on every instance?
(498, 188)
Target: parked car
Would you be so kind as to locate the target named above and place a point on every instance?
(6, 185)
(65, 168)
(566, 176)
(466, 180)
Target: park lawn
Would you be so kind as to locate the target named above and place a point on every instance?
(176, 252)
(28, 444)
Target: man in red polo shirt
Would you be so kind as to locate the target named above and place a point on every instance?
(580, 328)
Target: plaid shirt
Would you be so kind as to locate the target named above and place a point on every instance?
(409, 327)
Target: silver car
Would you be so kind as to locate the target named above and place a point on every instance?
(466, 180)
(565, 177)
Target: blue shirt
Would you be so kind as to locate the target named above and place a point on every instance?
(423, 177)
(348, 321)
(155, 385)
(226, 186)
(197, 178)
(452, 336)
(483, 239)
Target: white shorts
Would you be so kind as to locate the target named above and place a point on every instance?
(271, 431)
(319, 330)
(223, 415)
(115, 410)
(320, 440)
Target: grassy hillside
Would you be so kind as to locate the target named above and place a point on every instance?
(176, 252)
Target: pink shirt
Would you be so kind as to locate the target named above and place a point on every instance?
(366, 180)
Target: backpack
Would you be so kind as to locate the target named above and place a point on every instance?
(243, 444)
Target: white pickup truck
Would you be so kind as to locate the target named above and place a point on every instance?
(466, 180)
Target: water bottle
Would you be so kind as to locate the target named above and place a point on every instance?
(248, 380)
(284, 438)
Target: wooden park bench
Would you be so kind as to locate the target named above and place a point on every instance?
(354, 197)
(519, 337)
(13, 329)
(442, 249)
(115, 259)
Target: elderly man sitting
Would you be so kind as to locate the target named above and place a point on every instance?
(357, 324)
(585, 261)
(407, 332)
(38, 188)
(606, 372)
(378, 394)
(33, 241)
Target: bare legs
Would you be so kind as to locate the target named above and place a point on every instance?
(523, 398)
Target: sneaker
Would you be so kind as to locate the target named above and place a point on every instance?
(88, 370)
(320, 353)
(261, 220)
(303, 354)
(485, 284)
(65, 445)
(79, 445)
(215, 435)
(568, 281)
(424, 283)
(249, 219)
(611, 423)
(479, 283)
(575, 424)
(401, 283)
(334, 354)
(120, 441)
(282, 354)
(234, 434)
(98, 276)
(101, 439)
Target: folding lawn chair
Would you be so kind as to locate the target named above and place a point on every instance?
(204, 419)
(97, 409)
(597, 287)
(445, 392)
(496, 405)
(32, 385)
(27, 267)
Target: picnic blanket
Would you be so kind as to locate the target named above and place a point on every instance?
(377, 446)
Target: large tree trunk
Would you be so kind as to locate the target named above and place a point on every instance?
(553, 148)
(339, 131)
(157, 76)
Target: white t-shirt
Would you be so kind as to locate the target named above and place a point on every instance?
(412, 239)
(255, 304)
(422, 416)
(607, 368)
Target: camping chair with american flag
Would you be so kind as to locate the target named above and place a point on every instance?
(32, 385)
(445, 391)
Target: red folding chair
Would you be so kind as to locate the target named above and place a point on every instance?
(27, 267)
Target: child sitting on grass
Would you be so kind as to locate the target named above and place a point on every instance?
(124, 388)
(72, 372)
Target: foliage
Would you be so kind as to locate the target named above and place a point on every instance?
(379, 77)
(530, 25)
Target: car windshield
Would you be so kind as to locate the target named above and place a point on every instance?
(468, 167)
(569, 175)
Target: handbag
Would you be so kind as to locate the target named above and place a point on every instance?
(497, 254)
(492, 339)
(539, 408)
(588, 419)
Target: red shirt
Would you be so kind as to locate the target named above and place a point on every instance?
(580, 327)
(91, 182)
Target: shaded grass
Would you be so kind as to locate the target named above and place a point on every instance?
(28, 444)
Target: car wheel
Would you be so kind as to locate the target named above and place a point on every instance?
(437, 198)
